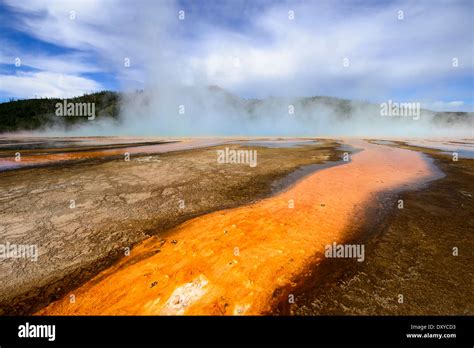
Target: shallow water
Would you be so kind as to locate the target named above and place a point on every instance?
(383, 142)
(278, 143)
(464, 149)
(300, 173)
(52, 151)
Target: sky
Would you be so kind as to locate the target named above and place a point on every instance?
(375, 51)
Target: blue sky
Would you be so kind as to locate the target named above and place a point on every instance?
(364, 50)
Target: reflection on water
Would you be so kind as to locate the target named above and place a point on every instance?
(277, 143)
(42, 151)
(383, 142)
(37, 152)
(29, 152)
(464, 149)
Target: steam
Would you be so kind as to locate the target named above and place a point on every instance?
(180, 97)
(211, 111)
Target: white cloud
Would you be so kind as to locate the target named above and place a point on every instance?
(46, 84)
(112, 30)
(67, 63)
(307, 54)
(277, 56)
